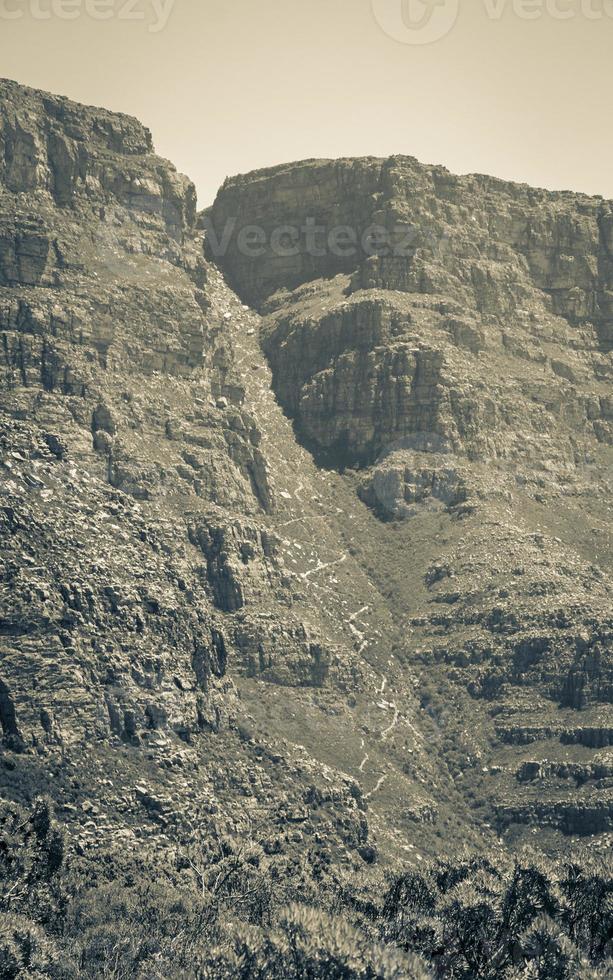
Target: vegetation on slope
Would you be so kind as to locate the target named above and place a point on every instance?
(63, 917)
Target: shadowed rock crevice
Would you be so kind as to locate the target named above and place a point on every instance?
(8, 718)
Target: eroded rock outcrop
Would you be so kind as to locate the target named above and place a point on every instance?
(172, 576)
(195, 614)
(480, 312)
(460, 361)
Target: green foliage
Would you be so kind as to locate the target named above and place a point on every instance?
(588, 914)
(133, 931)
(25, 950)
(549, 951)
(32, 853)
(231, 909)
(308, 944)
(474, 919)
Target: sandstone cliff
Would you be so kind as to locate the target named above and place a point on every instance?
(458, 369)
(179, 607)
(388, 638)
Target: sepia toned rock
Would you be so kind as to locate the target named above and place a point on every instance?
(317, 541)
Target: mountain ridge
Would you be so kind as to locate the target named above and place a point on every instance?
(319, 576)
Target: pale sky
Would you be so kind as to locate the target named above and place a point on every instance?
(227, 86)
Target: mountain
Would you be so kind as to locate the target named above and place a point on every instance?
(306, 546)
(459, 375)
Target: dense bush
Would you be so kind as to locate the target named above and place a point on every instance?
(307, 944)
(236, 916)
(473, 919)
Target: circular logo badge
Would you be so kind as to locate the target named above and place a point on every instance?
(416, 21)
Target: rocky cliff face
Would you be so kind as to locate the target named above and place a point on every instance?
(455, 361)
(382, 643)
(187, 641)
(485, 242)
(454, 272)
